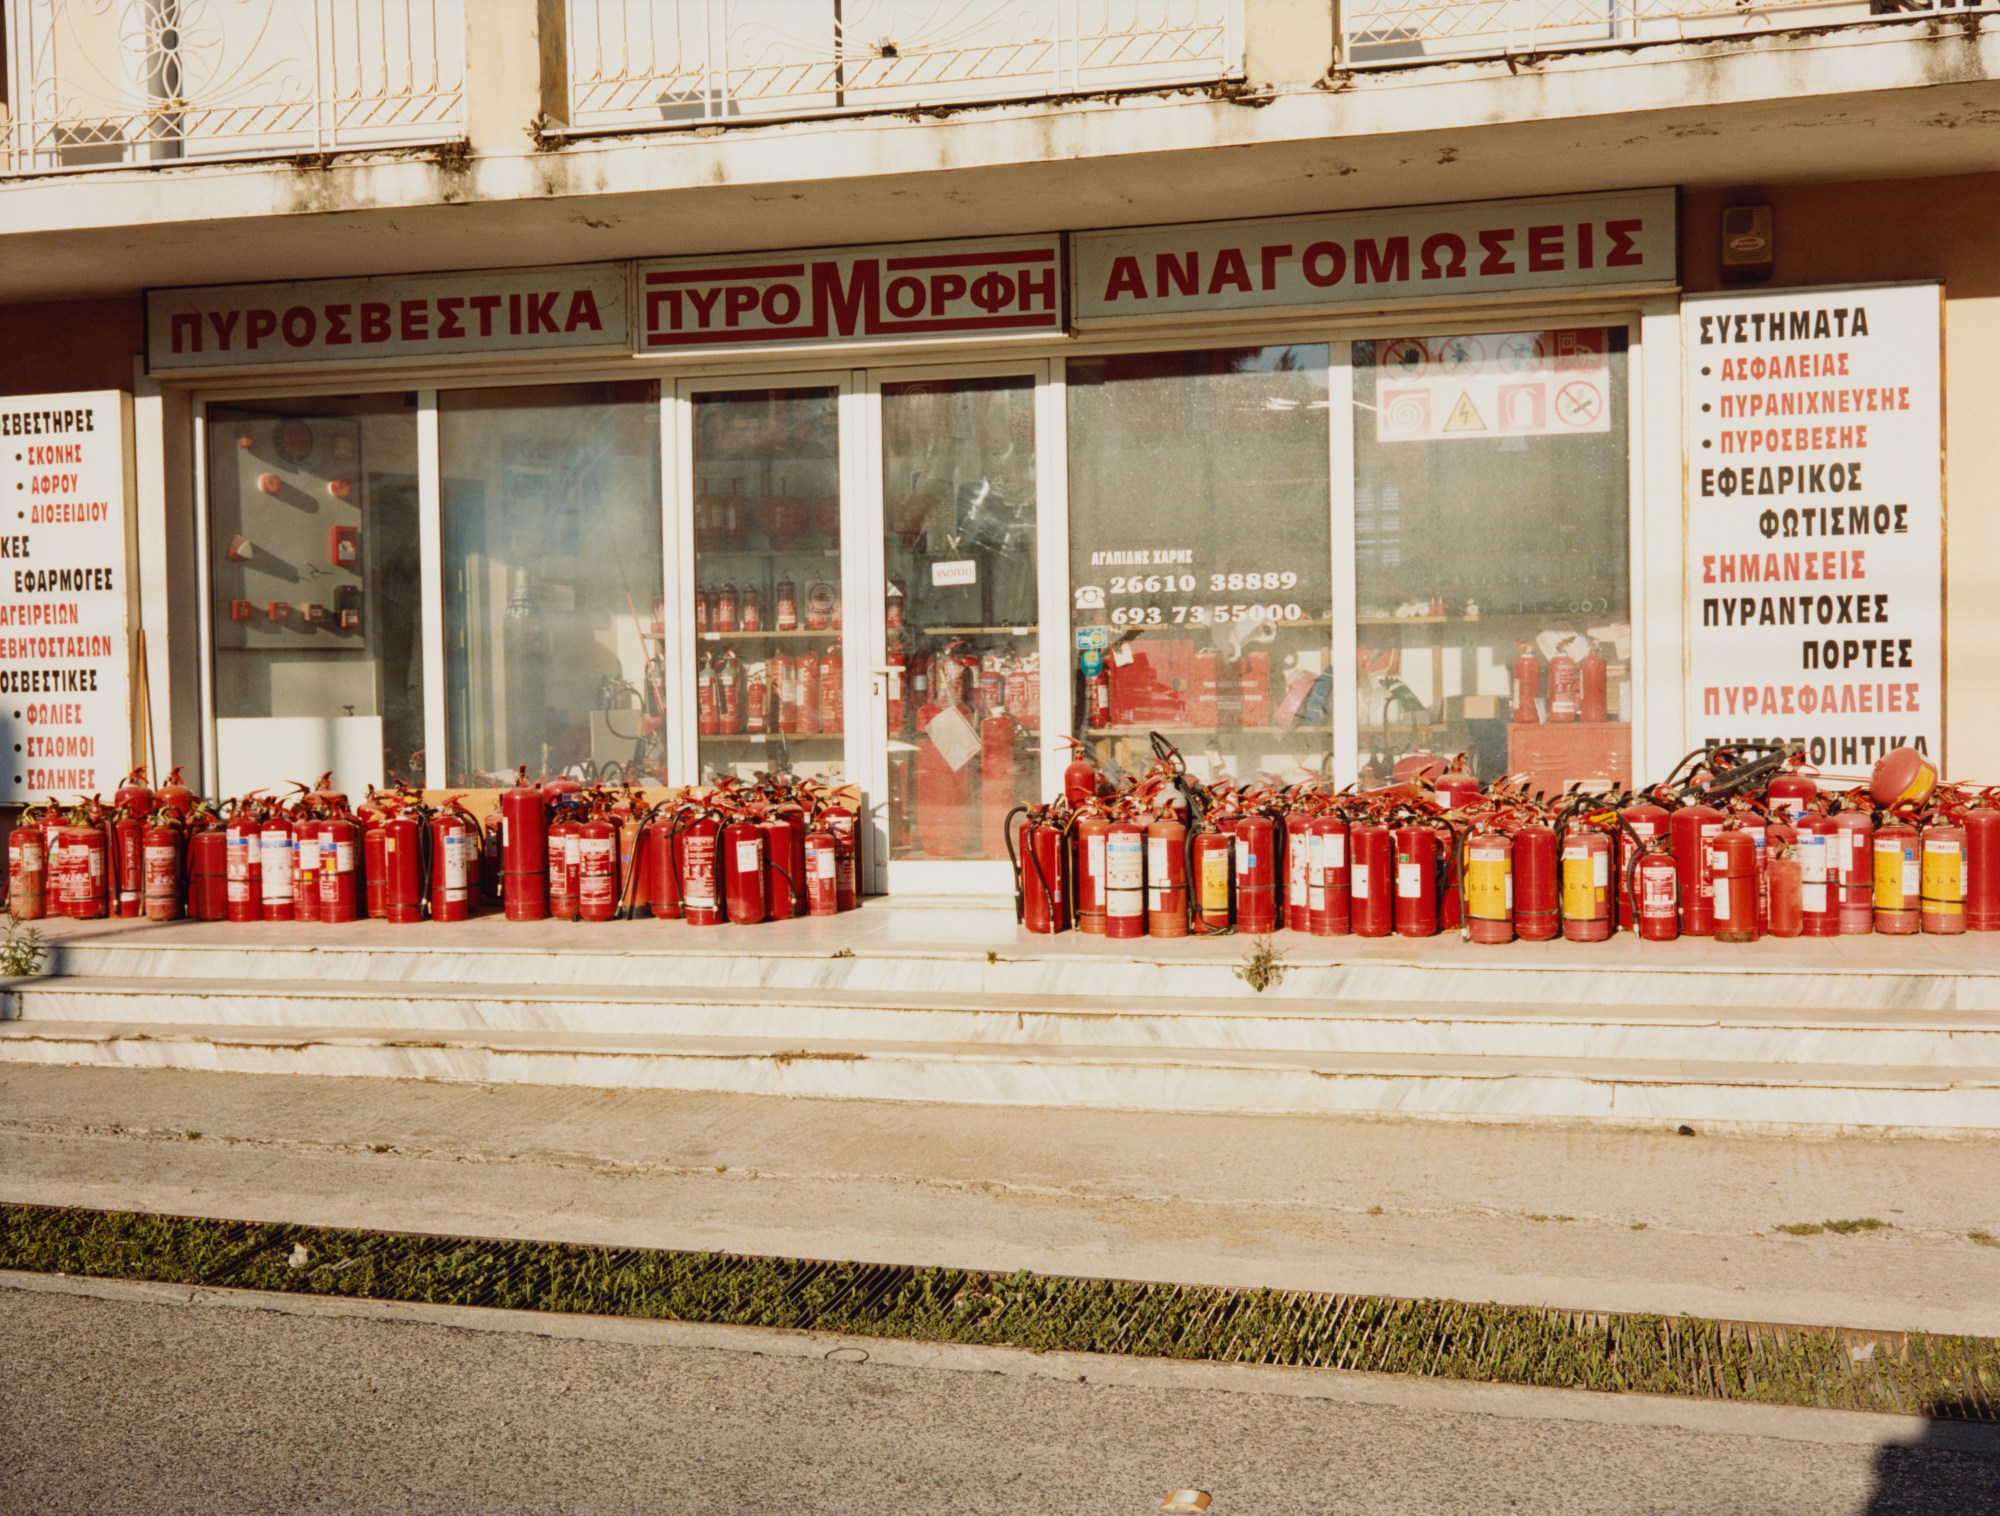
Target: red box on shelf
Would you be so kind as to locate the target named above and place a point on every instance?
(1150, 681)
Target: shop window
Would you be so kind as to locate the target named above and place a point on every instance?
(769, 678)
(964, 702)
(313, 513)
(1490, 520)
(1200, 557)
(554, 623)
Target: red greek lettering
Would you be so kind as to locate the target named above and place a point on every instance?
(416, 320)
(257, 325)
(1545, 249)
(1267, 257)
(583, 313)
(1183, 272)
(781, 305)
(992, 292)
(542, 314)
(1125, 280)
(375, 321)
(703, 301)
(946, 288)
(737, 302)
(184, 332)
(299, 326)
(1230, 272)
(1493, 243)
(224, 325)
(1444, 256)
(336, 326)
(1384, 263)
(1035, 289)
(486, 305)
(905, 297)
(1325, 263)
(1623, 254)
(448, 307)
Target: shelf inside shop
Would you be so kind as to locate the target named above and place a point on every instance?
(968, 631)
(762, 739)
(1206, 731)
(831, 633)
(1479, 620)
(768, 552)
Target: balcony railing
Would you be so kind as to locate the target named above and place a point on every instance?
(111, 83)
(1387, 32)
(640, 63)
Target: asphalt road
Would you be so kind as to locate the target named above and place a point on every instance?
(110, 1406)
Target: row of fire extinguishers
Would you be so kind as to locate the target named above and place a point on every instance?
(1738, 843)
(771, 850)
(786, 692)
(978, 684)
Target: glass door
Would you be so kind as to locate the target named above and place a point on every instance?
(760, 512)
(957, 692)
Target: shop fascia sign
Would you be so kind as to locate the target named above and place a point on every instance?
(409, 317)
(1455, 253)
(913, 292)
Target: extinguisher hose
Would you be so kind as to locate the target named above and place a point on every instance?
(1014, 864)
(425, 848)
(1195, 798)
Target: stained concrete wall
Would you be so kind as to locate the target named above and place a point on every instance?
(47, 348)
(1947, 229)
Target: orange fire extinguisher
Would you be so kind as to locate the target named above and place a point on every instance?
(1166, 877)
(27, 872)
(1089, 870)
(1125, 879)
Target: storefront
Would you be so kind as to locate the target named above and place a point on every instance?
(1299, 495)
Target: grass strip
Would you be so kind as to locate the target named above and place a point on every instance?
(1951, 1377)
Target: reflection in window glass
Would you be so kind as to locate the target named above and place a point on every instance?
(553, 616)
(1200, 545)
(1491, 510)
(958, 473)
(315, 584)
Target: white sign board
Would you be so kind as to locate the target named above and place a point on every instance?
(1496, 384)
(1438, 253)
(65, 663)
(1815, 520)
(405, 317)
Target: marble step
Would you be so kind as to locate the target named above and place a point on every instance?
(1778, 1036)
(1711, 1094)
(916, 955)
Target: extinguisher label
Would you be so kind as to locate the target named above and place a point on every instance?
(698, 867)
(572, 851)
(1489, 893)
(1812, 864)
(1156, 860)
(1093, 854)
(1358, 881)
(1246, 863)
(1125, 864)
(1943, 882)
(824, 863)
(1409, 880)
(1657, 890)
(1215, 881)
(1601, 869)
(1812, 898)
(747, 859)
(343, 857)
(1912, 874)
(27, 859)
(308, 855)
(1721, 893)
(457, 853)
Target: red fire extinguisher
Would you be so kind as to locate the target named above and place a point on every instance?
(1416, 909)
(276, 844)
(1656, 885)
(784, 865)
(832, 692)
(846, 855)
(785, 601)
(1089, 872)
(1785, 892)
(1819, 908)
(997, 734)
(402, 869)
(728, 696)
(1898, 879)
(305, 868)
(1327, 900)
(807, 675)
(701, 884)
(208, 873)
(743, 869)
(1079, 778)
(596, 870)
(245, 865)
(1256, 875)
(1942, 876)
(162, 845)
(1166, 877)
(785, 691)
(524, 852)
(374, 867)
(1125, 880)
(1298, 870)
(128, 860)
(1371, 879)
(1565, 689)
(1214, 880)
(634, 878)
(707, 716)
(1527, 685)
(1586, 886)
(454, 849)
(339, 897)
(1489, 887)
(27, 872)
(1041, 902)
(564, 862)
(1593, 699)
(1535, 883)
(1982, 869)
(1732, 885)
(1853, 867)
(1691, 829)
(1644, 822)
(82, 871)
(660, 843)
(134, 796)
(175, 795)
(822, 872)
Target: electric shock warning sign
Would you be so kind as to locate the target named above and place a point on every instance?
(1502, 384)
(1815, 520)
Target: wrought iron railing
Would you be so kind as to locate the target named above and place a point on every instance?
(108, 83)
(638, 63)
(1379, 32)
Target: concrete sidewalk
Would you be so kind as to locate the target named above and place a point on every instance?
(1581, 1218)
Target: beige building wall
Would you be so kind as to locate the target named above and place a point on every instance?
(1946, 229)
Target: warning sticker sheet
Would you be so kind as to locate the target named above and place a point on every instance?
(1503, 384)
